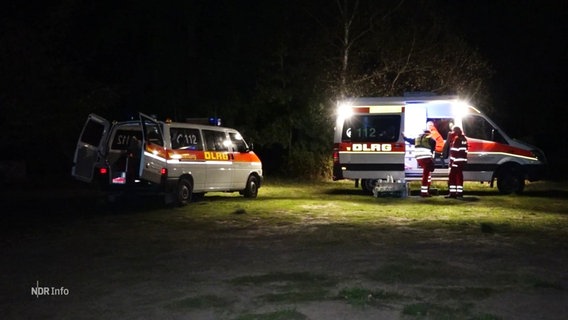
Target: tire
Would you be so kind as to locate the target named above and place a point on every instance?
(510, 181)
(251, 189)
(367, 185)
(183, 192)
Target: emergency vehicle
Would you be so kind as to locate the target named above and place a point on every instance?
(173, 159)
(369, 144)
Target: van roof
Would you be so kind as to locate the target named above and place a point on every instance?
(175, 124)
(393, 100)
(194, 125)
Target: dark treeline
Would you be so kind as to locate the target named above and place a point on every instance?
(272, 69)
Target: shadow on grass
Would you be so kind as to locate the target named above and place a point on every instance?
(552, 194)
(352, 192)
(471, 195)
(37, 205)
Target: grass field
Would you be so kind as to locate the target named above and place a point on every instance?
(299, 251)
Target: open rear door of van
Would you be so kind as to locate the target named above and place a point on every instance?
(152, 153)
(89, 147)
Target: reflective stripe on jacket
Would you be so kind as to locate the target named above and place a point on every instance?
(458, 150)
(423, 146)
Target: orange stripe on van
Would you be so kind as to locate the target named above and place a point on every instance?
(190, 155)
(156, 150)
(246, 157)
(185, 155)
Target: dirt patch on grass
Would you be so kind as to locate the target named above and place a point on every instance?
(148, 263)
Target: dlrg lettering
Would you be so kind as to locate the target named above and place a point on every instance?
(216, 156)
(372, 147)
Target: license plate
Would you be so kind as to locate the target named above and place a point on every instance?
(120, 180)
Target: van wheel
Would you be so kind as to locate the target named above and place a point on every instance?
(367, 185)
(183, 192)
(251, 189)
(510, 180)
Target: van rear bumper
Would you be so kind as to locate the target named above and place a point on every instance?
(368, 171)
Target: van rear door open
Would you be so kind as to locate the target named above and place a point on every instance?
(153, 152)
(89, 147)
(442, 114)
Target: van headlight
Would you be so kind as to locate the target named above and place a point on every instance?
(539, 155)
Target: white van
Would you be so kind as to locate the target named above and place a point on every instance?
(369, 144)
(174, 159)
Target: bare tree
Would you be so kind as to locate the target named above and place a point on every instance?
(389, 48)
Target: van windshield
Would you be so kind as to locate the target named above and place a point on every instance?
(371, 128)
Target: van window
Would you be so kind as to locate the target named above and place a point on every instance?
(186, 139)
(93, 133)
(238, 142)
(478, 127)
(123, 138)
(153, 134)
(372, 128)
(215, 140)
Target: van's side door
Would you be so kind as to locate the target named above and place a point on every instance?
(187, 145)
(153, 152)
(218, 161)
(89, 147)
(487, 148)
(242, 163)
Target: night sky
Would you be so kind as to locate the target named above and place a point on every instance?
(525, 43)
(144, 50)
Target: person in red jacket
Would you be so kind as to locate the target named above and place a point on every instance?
(458, 160)
(449, 139)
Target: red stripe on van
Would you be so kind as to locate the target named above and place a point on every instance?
(476, 145)
(361, 110)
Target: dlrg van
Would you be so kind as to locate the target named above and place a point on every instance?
(369, 145)
(173, 159)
